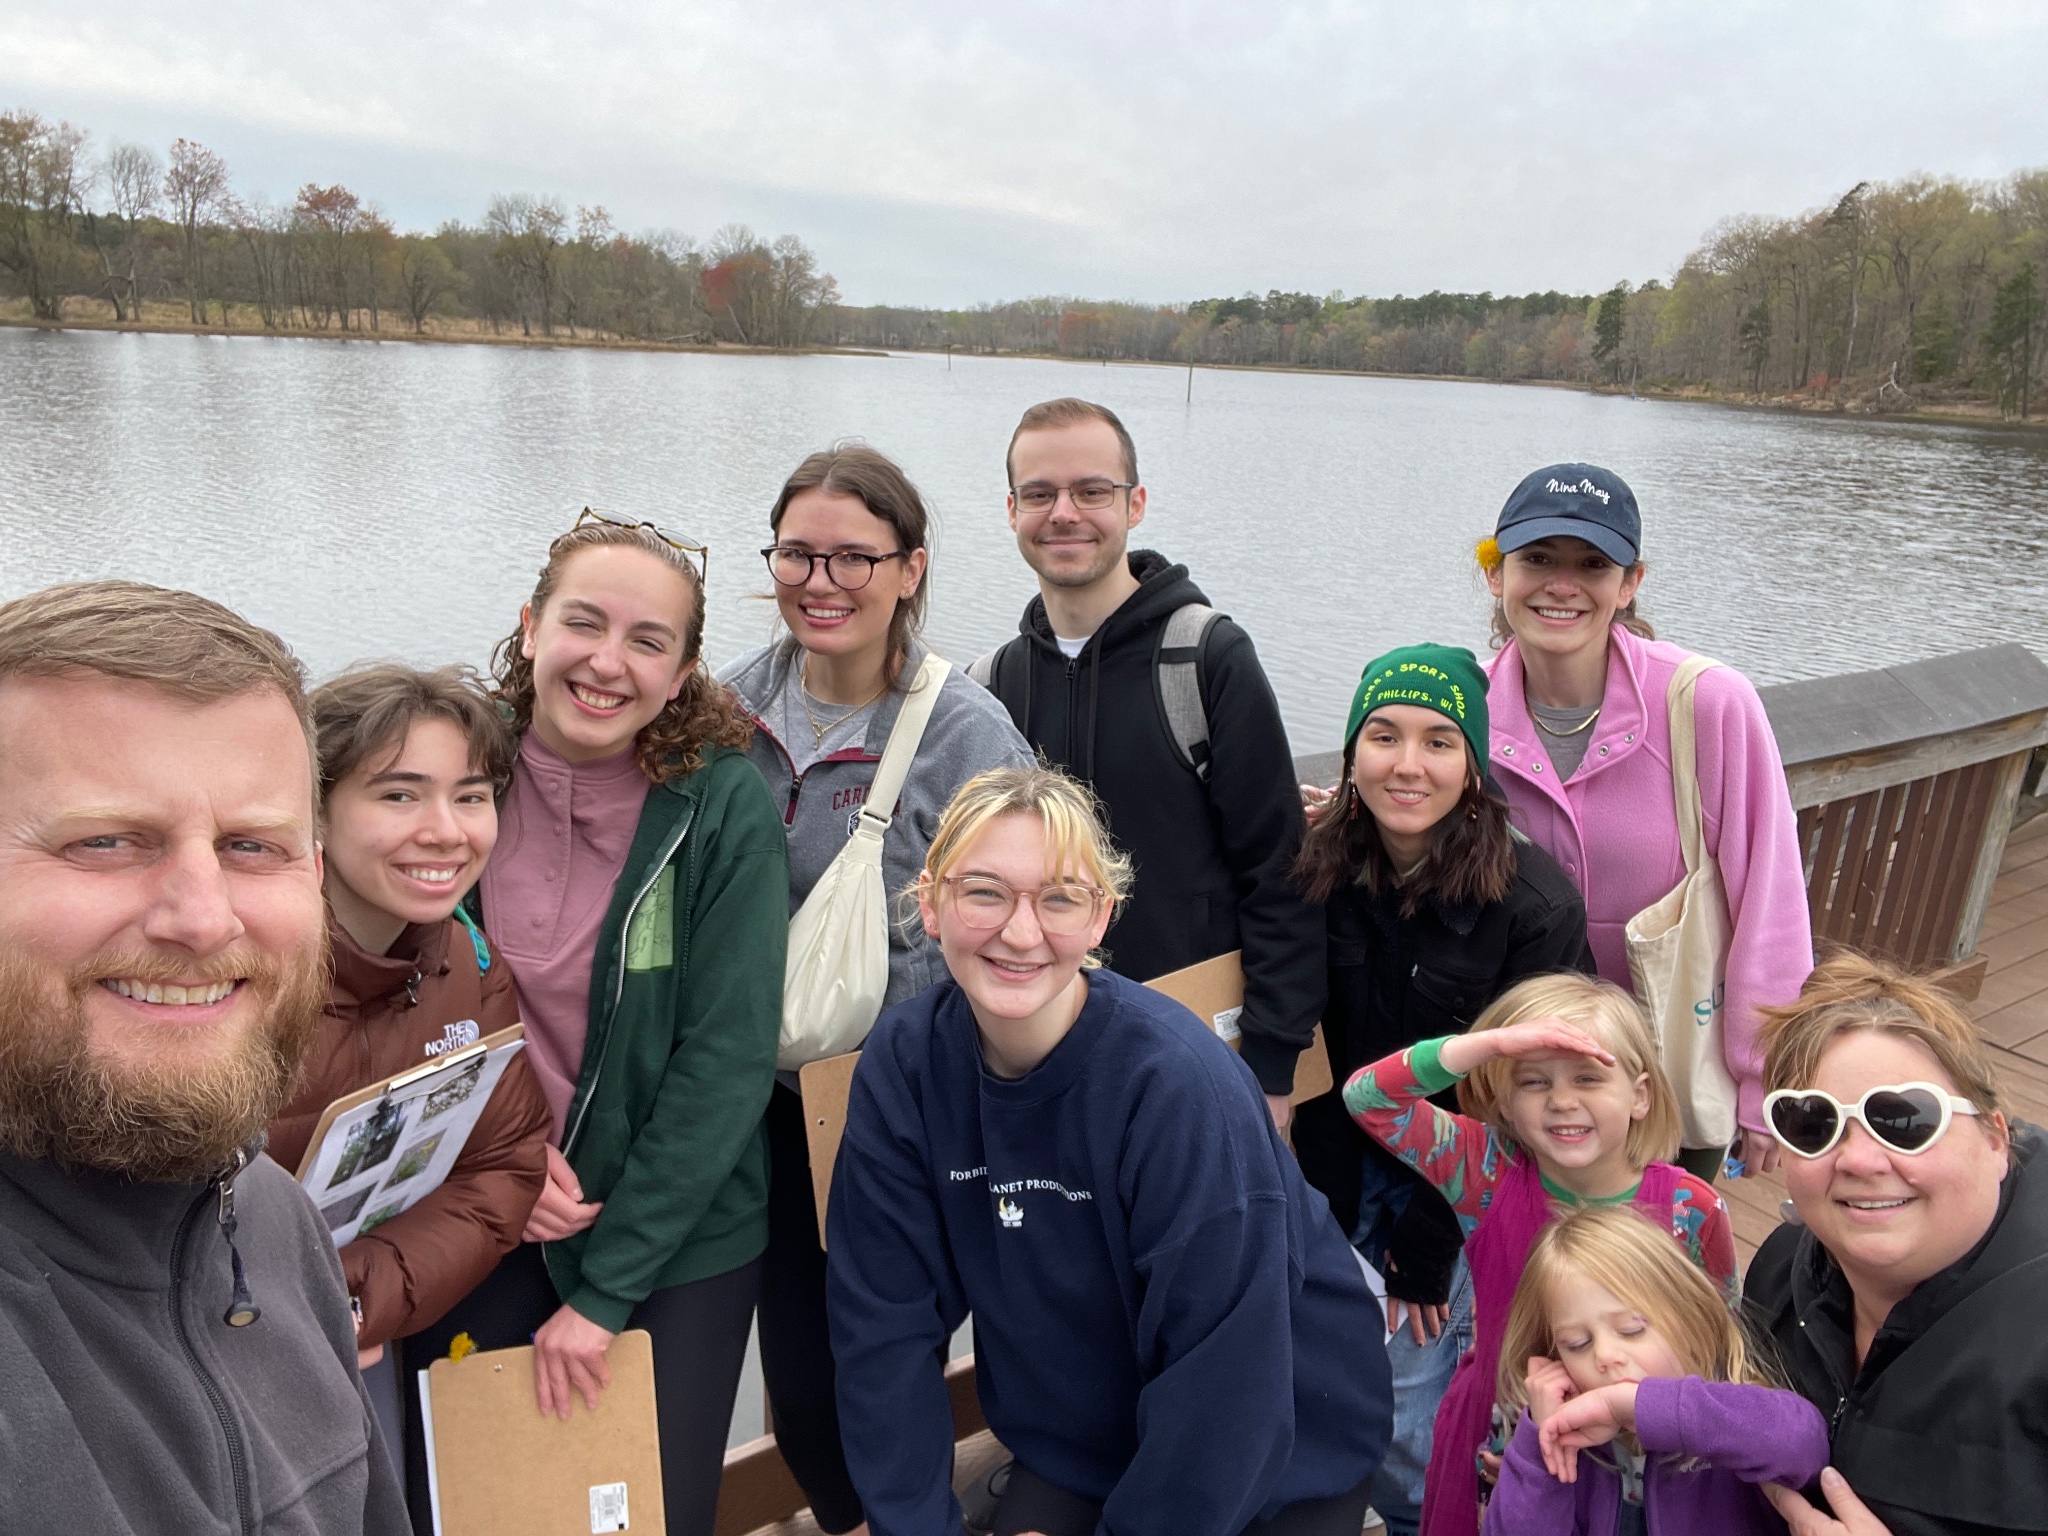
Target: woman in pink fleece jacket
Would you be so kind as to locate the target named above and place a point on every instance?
(1582, 748)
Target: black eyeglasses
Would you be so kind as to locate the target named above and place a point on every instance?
(848, 569)
(682, 546)
(1086, 495)
(1907, 1117)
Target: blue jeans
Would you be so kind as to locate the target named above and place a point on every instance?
(1421, 1372)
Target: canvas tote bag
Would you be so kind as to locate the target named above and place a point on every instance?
(838, 967)
(1678, 947)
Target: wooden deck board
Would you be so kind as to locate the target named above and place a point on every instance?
(2010, 907)
(2012, 1009)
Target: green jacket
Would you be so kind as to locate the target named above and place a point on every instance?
(685, 1004)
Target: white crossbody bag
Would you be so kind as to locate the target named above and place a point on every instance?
(837, 972)
(1678, 947)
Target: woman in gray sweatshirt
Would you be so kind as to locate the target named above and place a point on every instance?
(848, 562)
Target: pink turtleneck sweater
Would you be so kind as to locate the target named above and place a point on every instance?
(563, 834)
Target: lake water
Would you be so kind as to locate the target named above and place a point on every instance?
(393, 499)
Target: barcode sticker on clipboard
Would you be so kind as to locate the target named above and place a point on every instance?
(607, 1508)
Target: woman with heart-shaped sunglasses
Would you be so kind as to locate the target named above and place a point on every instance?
(1907, 1302)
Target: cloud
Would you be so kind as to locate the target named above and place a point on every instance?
(932, 155)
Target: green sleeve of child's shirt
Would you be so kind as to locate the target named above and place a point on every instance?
(1425, 1060)
(1415, 1073)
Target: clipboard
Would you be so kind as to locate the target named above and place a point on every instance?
(495, 1467)
(392, 1084)
(1213, 991)
(379, 1151)
(825, 1086)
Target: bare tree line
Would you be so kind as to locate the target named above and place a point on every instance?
(128, 226)
(1918, 291)
(1925, 289)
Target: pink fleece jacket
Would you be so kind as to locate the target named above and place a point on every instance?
(1613, 825)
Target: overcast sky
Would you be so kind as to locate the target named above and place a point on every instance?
(935, 152)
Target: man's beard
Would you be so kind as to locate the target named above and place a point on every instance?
(63, 1099)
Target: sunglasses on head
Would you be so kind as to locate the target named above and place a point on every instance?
(676, 542)
(1908, 1118)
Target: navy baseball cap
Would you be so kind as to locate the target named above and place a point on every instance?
(1573, 501)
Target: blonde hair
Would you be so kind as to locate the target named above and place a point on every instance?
(1621, 1249)
(1075, 838)
(1849, 992)
(1610, 1016)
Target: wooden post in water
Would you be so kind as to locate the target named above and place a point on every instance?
(1191, 378)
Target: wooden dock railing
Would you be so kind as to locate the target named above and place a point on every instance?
(1906, 780)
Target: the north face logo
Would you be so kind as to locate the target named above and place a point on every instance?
(1010, 1211)
(454, 1037)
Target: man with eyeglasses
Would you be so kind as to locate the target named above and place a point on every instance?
(1125, 677)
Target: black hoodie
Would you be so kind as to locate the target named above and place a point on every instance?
(1944, 1431)
(1212, 858)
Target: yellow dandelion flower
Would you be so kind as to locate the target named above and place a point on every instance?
(462, 1344)
(1487, 553)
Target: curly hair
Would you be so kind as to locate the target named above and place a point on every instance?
(703, 714)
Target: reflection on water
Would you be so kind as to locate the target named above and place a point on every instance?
(376, 499)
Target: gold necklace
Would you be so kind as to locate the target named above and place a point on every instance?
(803, 698)
(1585, 724)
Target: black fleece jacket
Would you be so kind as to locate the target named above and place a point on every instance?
(1396, 979)
(1944, 1429)
(1212, 858)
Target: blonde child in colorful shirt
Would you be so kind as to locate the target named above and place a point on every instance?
(1566, 1106)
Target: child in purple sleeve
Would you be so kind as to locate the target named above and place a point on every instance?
(1646, 1413)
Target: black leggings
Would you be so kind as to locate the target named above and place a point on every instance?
(796, 1345)
(1030, 1503)
(699, 1333)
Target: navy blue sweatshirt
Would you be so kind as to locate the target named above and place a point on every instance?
(1166, 1319)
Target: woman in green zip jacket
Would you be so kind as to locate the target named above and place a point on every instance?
(640, 890)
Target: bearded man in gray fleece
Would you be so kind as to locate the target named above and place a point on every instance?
(176, 1351)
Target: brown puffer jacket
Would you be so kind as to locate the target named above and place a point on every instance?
(387, 1013)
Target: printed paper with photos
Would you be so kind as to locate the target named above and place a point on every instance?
(384, 1156)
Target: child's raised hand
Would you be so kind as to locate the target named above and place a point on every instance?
(1548, 1385)
(1532, 1037)
(1591, 1418)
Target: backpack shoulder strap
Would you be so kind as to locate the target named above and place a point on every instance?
(1177, 681)
(1006, 673)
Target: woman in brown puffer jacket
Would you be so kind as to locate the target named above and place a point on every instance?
(409, 767)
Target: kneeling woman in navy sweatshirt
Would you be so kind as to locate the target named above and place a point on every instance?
(1171, 1334)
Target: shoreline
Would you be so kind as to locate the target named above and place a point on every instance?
(1974, 415)
(478, 338)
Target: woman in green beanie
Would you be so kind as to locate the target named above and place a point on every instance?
(1435, 907)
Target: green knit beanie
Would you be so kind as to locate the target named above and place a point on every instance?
(1445, 678)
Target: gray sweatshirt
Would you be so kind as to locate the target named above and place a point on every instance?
(969, 733)
(130, 1406)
